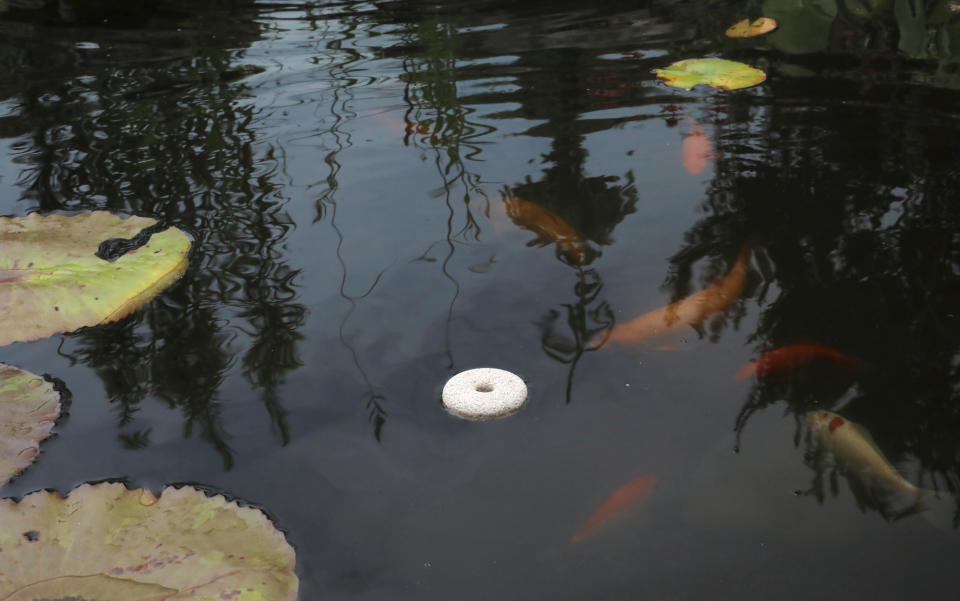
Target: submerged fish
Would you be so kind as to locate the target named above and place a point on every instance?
(862, 460)
(792, 357)
(404, 125)
(547, 225)
(697, 150)
(690, 311)
(856, 452)
(625, 498)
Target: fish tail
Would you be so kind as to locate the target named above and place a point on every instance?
(940, 509)
(749, 370)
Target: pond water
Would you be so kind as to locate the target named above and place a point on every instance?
(374, 189)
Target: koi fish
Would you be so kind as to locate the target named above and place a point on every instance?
(697, 150)
(546, 224)
(856, 452)
(622, 500)
(790, 358)
(690, 311)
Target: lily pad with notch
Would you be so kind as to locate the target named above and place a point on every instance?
(52, 278)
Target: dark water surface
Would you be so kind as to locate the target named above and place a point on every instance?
(343, 170)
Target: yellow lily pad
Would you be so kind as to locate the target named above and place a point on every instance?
(29, 406)
(51, 279)
(108, 543)
(746, 29)
(716, 72)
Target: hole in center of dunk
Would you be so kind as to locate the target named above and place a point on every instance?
(484, 387)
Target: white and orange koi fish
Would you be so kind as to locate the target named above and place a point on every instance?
(859, 456)
(855, 450)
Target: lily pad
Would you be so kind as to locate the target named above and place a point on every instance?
(716, 72)
(29, 406)
(108, 543)
(52, 281)
(746, 29)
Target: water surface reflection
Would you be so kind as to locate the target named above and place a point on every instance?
(383, 194)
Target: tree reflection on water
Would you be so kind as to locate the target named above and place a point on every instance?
(164, 133)
(858, 250)
(852, 214)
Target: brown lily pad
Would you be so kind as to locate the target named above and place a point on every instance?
(29, 406)
(52, 281)
(746, 29)
(108, 543)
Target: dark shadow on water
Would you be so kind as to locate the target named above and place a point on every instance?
(856, 247)
(165, 131)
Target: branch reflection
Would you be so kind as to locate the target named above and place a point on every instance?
(857, 260)
(167, 132)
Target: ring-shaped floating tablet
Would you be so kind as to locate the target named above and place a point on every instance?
(484, 393)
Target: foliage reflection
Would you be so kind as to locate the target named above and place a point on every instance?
(165, 133)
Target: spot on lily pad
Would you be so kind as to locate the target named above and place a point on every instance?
(29, 406)
(109, 543)
(746, 29)
(51, 279)
(716, 72)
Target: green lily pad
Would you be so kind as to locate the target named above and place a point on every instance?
(716, 72)
(52, 281)
(108, 543)
(28, 408)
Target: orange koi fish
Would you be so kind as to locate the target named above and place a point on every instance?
(406, 126)
(793, 357)
(690, 311)
(548, 225)
(697, 150)
(622, 500)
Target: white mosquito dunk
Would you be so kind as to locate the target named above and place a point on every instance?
(484, 393)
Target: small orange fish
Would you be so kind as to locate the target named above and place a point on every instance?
(690, 311)
(548, 225)
(793, 357)
(404, 125)
(622, 500)
(697, 150)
